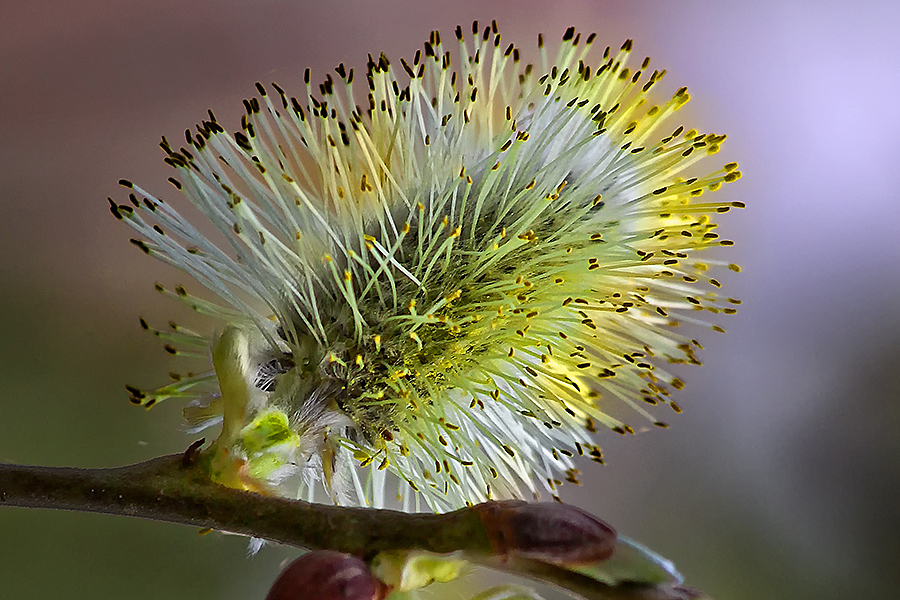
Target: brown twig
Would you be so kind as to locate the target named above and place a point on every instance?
(165, 489)
(175, 489)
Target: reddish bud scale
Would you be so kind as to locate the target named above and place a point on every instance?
(327, 575)
(550, 532)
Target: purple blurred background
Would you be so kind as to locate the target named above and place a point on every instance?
(782, 478)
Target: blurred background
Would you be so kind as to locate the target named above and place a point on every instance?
(780, 480)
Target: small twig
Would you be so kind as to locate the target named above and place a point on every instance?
(175, 489)
(166, 489)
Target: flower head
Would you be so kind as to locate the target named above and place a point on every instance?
(458, 283)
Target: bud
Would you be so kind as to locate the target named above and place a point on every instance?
(405, 570)
(327, 575)
(550, 532)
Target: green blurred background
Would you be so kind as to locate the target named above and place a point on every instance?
(782, 478)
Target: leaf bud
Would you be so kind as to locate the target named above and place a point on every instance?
(550, 532)
(327, 575)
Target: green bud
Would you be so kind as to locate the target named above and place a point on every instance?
(414, 569)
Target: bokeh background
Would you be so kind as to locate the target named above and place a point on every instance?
(780, 480)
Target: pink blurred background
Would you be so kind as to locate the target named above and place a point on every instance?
(782, 478)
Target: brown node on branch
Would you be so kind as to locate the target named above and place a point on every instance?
(191, 455)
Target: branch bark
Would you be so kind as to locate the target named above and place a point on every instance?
(167, 489)
(175, 489)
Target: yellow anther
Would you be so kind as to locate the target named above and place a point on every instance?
(451, 297)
